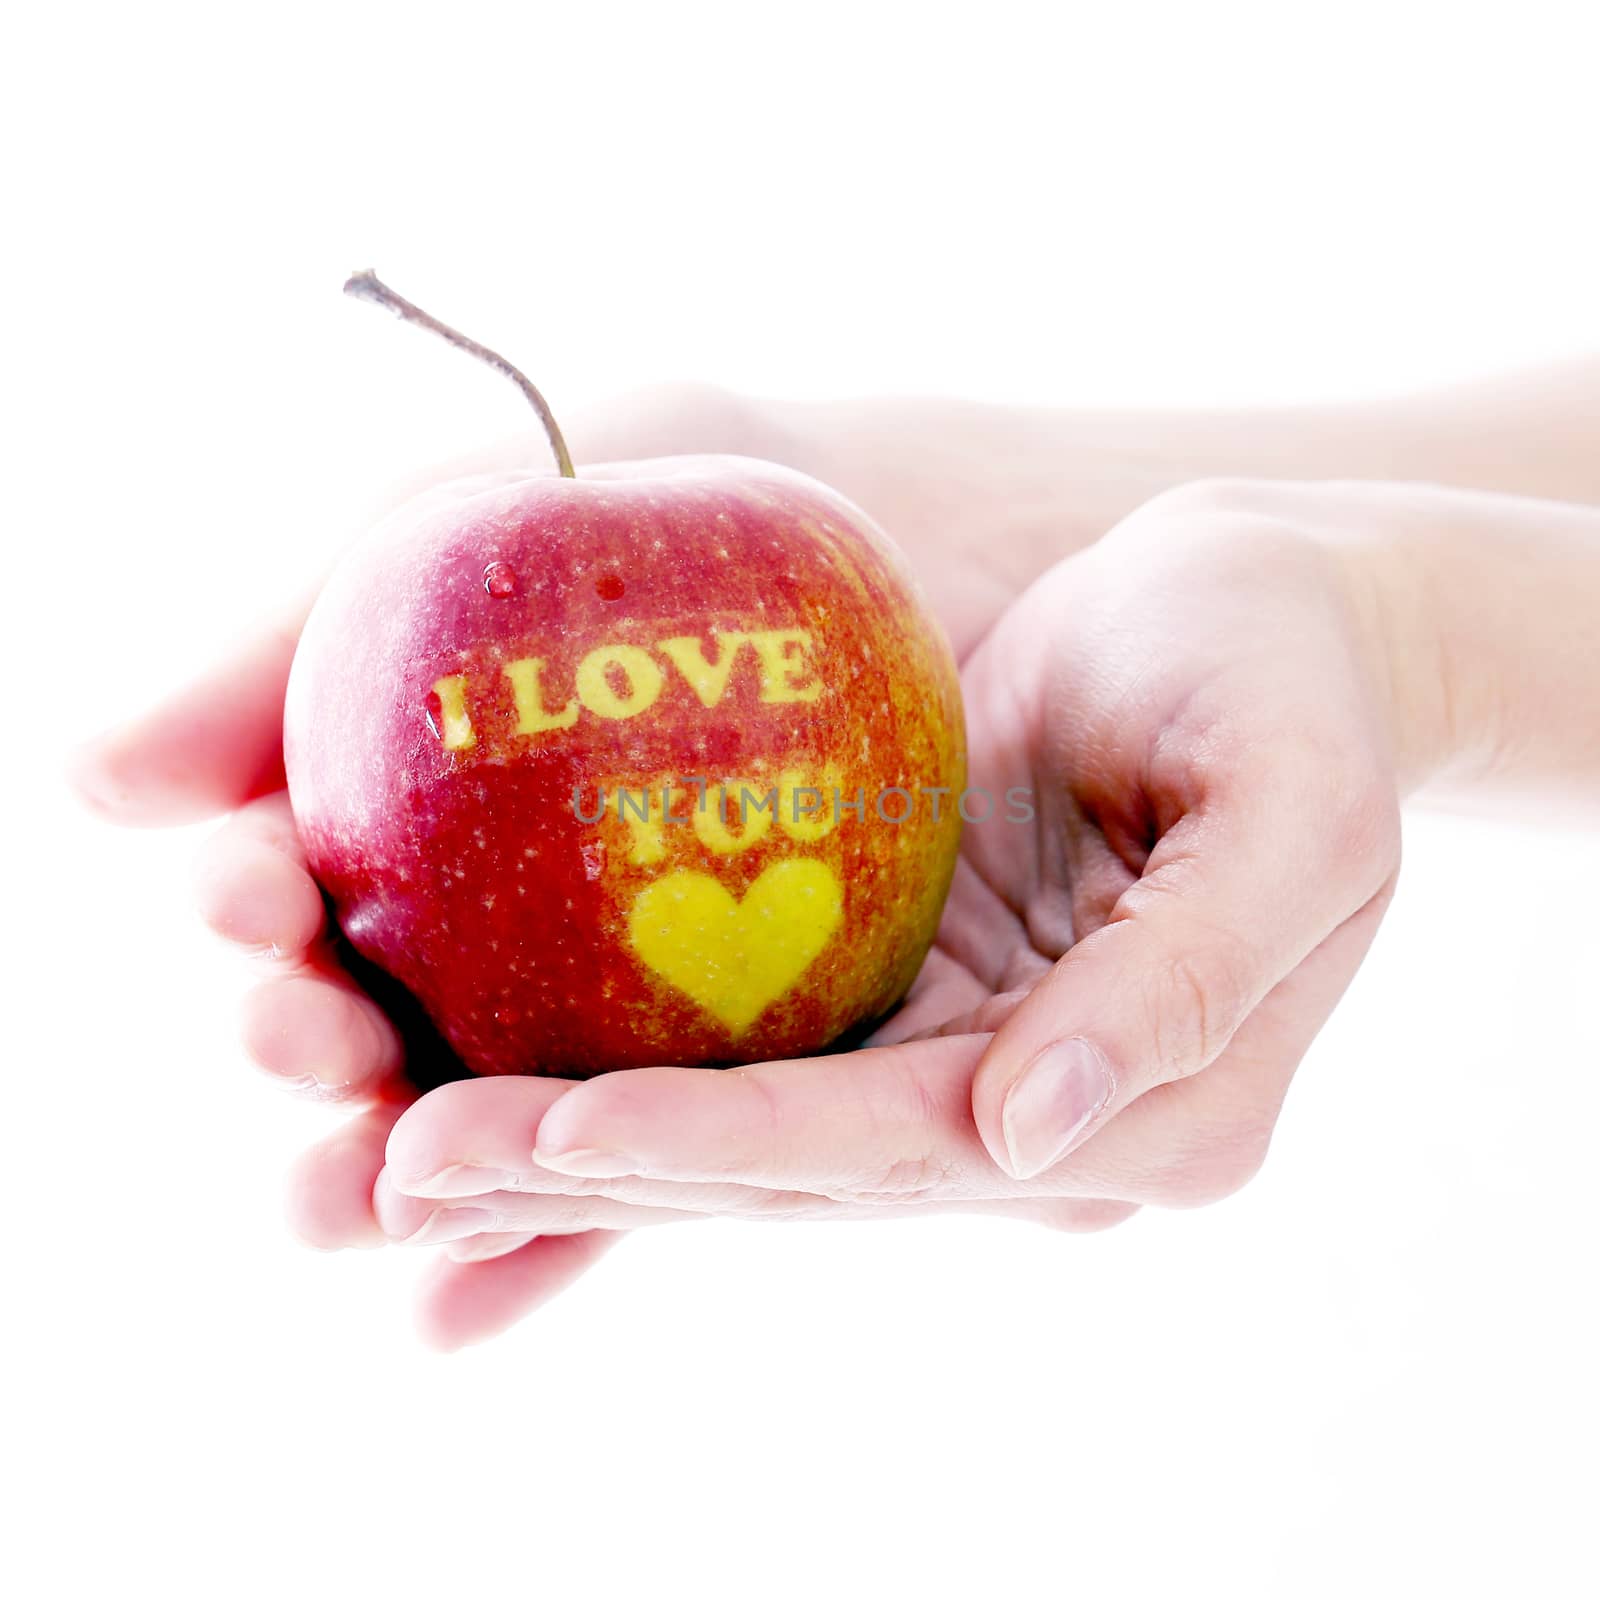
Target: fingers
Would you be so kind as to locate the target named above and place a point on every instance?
(1183, 1143)
(472, 1142)
(944, 989)
(310, 1024)
(408, 1220)
(329, 1191)
(472, 1137)
(209, 747)
(462, 1303)
(252, 884)
(318, 1032)
(984, 936)
(891, 1122)
(1233, 898)
(1200, 1139)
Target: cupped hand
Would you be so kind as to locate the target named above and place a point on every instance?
(1201, 710)
(329, 1026)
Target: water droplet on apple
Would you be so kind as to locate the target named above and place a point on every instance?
(507, 1016)
(499, 581)
(609, 586)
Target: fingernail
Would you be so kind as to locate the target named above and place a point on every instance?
(449, 1183)
(1051, 1103)
(588, 1163)
(452, 1222)
(310, 1087)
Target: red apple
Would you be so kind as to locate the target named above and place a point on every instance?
(723, 632)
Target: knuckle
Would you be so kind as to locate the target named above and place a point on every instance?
(764, 1102)
(1195, 1003)
(1210, 496)
(1222, 504)
(907, 1178)
(1243, 531)
(906, 1120)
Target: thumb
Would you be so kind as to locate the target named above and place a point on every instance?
(209, 747)
(1233, 899)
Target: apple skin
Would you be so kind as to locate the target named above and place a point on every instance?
(452, 840)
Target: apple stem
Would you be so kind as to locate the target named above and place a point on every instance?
(368, 286)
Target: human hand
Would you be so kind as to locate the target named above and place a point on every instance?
(332, 1027)
(1203, 709)
(1489, 684)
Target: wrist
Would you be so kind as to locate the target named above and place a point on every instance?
(1437, 730)
(1481, 607)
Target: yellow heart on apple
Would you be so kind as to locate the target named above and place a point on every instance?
(734, 958)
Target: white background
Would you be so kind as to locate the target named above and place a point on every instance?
(1372, 1372)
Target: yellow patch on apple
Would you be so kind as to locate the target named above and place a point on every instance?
(735, 958)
